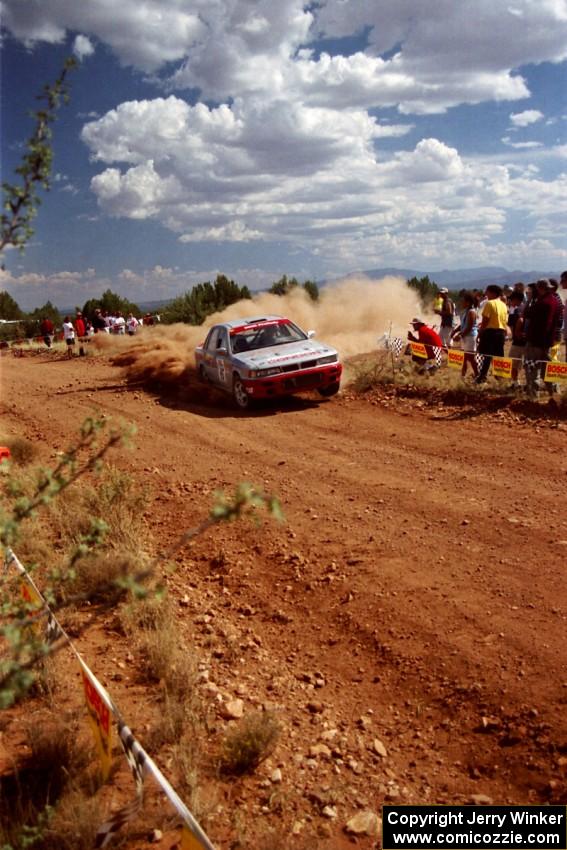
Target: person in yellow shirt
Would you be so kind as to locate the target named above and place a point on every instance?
(492, 335)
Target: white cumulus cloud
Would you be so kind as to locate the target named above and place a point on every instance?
(525, 118)
(82, 47)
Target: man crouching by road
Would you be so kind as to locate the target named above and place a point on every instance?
(430, 339)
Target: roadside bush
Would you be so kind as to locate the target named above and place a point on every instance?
(101, 577)
(22, 451)
(115, 499)
(152, 625)
(250, 743)
(30, 792)
(371, 373)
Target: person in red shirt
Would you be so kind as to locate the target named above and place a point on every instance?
(430, 339)
(47, 330)
(81, 332)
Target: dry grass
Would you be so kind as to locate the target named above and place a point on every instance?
(153, 628)
(74, 823)
(114, 498)
(100, 577)
(252, 741)
(30, 792)
(368, 373)
(22, 451)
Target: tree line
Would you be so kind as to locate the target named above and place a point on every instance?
(191, 308)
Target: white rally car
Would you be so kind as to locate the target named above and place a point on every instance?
(264, 357)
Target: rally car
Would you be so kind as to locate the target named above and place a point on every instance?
(264, 357)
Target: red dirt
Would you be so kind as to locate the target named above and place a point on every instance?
(417, 590)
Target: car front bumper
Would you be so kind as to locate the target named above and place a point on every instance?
(288, 383)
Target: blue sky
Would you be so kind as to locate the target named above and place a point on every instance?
(314, 139)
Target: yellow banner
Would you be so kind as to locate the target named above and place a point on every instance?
(418, 350)
(455, 358)
(101, 723)
(555, 372)
(188, 840)
(502, 367)
(30, 595)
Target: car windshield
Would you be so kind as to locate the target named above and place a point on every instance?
(264, 335)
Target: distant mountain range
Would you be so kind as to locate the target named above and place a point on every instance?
(475, 278)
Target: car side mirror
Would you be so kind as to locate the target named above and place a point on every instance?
(222, 350)
(310, 334)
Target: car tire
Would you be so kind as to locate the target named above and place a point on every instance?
(203, 375)
(332, 389)
(239, 394)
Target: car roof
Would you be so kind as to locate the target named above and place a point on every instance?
(250, 320)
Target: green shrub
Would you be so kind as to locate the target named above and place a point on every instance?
(252, 741)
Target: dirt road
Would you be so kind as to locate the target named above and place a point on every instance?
(416, 595)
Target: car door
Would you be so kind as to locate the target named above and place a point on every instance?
(222, 359)
(209, 355)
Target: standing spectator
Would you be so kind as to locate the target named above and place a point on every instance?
(132, 324)
(119, 326)
(516, 325)
(99, 324)
(521, 288)
(492, 333)
(563, 282)
(430, 339)
(467, 332)
(69, 335)
(541, 327)
(446, 310)
(554, 350)
(47, 329)
(81, 332)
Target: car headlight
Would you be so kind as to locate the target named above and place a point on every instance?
(265, 373)
(332, 358)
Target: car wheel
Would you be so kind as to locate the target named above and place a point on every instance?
(239, 393)
(332, 389)
(202, 374)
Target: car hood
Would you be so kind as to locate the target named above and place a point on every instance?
(284, 355)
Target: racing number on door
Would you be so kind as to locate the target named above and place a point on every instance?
(221, 366)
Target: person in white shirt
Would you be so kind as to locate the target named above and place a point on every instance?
(132, 324)
(69, 335)
(119, 324)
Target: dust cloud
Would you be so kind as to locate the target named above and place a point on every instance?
(350, 315)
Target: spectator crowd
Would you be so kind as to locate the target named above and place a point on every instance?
(81, 328)
(532, 318)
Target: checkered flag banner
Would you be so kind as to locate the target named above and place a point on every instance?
(136, 758)
(479, 360)
(53, 630)
(396, 345)
(108, 830)
(134, 753)
(438, 354)
(193, 835)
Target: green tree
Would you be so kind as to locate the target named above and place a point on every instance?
(194, 306)
(9, 308)
(48, 310)
(311, 289)
(110, 302)
(427, 289)
(21, 199)
(285, 284)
